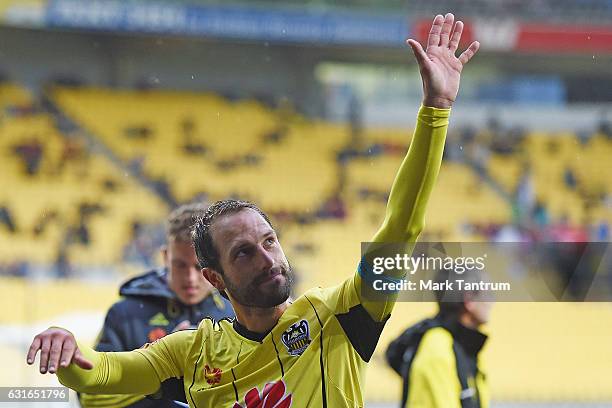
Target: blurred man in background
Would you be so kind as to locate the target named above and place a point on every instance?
(438, 358)
(171, 298)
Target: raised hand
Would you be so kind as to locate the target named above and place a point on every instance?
(58, 348)
(440, 68)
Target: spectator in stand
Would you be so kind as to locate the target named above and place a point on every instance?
(332, 208)
(525, 194)
(540, 215)
(73, 150)
(138, 132)
(46, 218)
(62, 263)
(191, 145)
(6, 218)
(601, 232)
(568, 248)
(31, 152)
(569, 178)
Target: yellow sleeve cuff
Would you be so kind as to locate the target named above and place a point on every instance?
(433, 117)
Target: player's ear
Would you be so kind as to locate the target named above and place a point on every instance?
(214, 278)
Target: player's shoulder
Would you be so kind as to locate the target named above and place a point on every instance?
(312, 296)
(436, 346)
(331, 296)
(317, 299)
(193, 336)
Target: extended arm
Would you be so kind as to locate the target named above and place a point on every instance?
(440, 72)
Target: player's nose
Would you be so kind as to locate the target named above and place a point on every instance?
(266, 258)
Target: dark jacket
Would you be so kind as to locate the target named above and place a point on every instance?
(442, 367)
(149, 310)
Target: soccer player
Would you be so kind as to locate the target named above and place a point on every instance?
(309, 353)
(159, 302)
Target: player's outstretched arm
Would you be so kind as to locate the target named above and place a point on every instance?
(440, 70)
(85, 370)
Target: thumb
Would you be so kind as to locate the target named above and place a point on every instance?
(81, 361)
(419, 52)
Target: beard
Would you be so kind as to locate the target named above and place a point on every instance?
(253, 295)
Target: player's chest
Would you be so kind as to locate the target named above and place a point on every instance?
(232, 366)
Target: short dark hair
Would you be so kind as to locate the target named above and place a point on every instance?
(180, 222)
(207, 254)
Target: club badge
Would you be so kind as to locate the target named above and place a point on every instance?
(296, 338)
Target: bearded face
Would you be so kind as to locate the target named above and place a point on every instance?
(255, 271)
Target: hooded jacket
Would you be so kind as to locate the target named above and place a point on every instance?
(148, 310)
(434, 375)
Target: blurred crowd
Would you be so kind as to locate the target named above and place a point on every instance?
(531, 222)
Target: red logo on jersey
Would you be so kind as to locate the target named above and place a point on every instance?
(156, 334)
(212, 375)
(272, 396)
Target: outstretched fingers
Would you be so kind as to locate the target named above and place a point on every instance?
(456, 36)
(434, 33)
(445, 31)
(67, 354)
(467, 55)
(34, 347)
(54, 354)
(44, 354)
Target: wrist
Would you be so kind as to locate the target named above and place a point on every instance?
(438, 102)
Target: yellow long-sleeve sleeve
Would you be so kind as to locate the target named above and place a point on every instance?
(415, 179)
(129, 372)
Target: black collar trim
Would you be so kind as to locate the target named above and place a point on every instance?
(248, 334)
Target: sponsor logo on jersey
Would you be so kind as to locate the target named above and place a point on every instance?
(212, 375)
(296, 338)
(272, 396)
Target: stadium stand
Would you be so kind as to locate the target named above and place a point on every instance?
(271, 179)
(184, 144)
(58, 194)
(568, 176)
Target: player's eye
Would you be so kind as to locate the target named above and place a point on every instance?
(243, 252)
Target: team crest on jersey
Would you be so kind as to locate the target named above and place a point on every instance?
(297, 337)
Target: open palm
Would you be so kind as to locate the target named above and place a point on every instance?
(440, 68)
